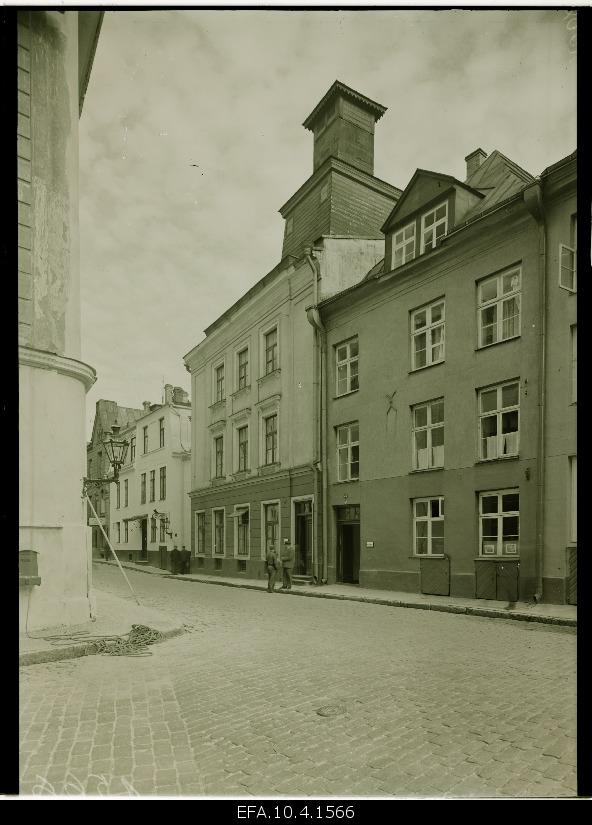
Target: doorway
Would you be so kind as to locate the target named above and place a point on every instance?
(348, 544)
(303, 537)
(144, 551)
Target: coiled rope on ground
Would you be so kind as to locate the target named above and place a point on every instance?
(134, 643)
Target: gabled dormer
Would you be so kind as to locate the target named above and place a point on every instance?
(430, 206)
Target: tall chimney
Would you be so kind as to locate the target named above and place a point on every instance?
(474, 161)
(146, 405)
(168, 393)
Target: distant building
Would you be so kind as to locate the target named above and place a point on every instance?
(107, 414)
(256, 381)
(55, 56)
(451, 416)
(155, 477)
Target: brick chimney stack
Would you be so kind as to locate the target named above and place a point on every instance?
(180, 396)
(168, 393)
(146, 405)
(474, 161)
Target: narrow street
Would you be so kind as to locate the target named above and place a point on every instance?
(411, 702)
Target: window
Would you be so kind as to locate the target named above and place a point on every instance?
(243, 449)
(403, 245)
(243, 369)
(118, 495)
(427, 333)
(161, 431)
(143, 488)
(428, 435)
(200, 533)
(499, 421)
(428, 526)
(574, 363)
(152, 485)
(348, 452)
(125, 493)
(118, 528)
(271, 439)
(133, 448)
(162, 528)
(153, 530)
(242, 531)
(162, 483)
(434, 225)
(218, 525)
(499, 307)
(346, 356)
(271, 516)
(499, 523)
(219, 457)
(573, 509)
(219, 375)
(271, 351)
(126, 531)
(145, 435)
(568, 257)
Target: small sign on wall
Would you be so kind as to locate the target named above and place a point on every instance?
(370, 544)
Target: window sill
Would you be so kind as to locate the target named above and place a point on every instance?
(268, 375)
(499, 458)
(217, 404)
(241, 391)
(345, 394)
(426, 367)
(240, 474)
(496, 343)
(497, 558)
(428, 556)
(218, 479)
(347, 481)
(426, 470)
(269, 469)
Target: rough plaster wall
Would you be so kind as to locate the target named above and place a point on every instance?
(345, 262)
(53, 177)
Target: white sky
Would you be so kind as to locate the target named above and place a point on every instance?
(166, 247)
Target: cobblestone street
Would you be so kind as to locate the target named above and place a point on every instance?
(412, 702)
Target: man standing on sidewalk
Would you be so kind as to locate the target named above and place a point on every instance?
(273, 563)
(287, 559)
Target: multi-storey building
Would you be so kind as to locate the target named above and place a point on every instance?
(256, 380)
(452, 391)
(149, 506)
(107, 414)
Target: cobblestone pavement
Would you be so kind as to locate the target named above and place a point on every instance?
(412, 703)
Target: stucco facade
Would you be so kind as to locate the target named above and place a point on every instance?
(155, 477)
(55, 51)
(376, 532)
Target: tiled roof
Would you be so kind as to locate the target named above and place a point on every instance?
(499, 178)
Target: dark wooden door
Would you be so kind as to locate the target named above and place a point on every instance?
(349, 553)
(303, 537)
(144, 553)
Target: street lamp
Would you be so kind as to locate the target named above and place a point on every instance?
(116, 449)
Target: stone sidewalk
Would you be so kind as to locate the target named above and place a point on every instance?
(556, 614)
(114, 617)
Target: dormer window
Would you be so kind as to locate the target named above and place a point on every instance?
(434, 225)
(404, 245)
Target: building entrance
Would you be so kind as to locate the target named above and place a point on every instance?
(303, 537)
(348, 544)
(144, 551)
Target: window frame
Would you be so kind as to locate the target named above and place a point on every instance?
(145, 439)
(219, 382)
(152, 485)
(498, 302)
(143, 488)
(126, 492)
(272, 451)
(435, 240)
(118, 528)
(152, 530)
(215, 551)
(347, 362)
(266, 348)
(403, 244)
(216, 439)
(242, 378)
(132, 449)
(427, 428)
(242, 454)
(429, 519)
(264, 522)
(126, 531)
(349, 445)
(161, 432)
(162, 482)
(238, 511)
(427, 330)
(199, 532)
(499, 412)
(500, 514)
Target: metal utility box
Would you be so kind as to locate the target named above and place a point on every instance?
(435, 576)
(28, 571)
(497, 579)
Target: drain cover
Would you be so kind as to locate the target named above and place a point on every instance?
(331, 710)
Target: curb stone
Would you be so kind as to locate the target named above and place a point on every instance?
(467, 610)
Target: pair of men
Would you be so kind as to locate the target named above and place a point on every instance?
(285, 562)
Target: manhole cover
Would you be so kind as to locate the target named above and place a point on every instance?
(331, 710)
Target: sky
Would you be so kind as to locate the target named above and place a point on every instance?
(166, 246)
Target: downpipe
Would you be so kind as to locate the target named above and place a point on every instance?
(533, 201)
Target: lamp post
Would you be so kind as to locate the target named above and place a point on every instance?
(116, 449)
